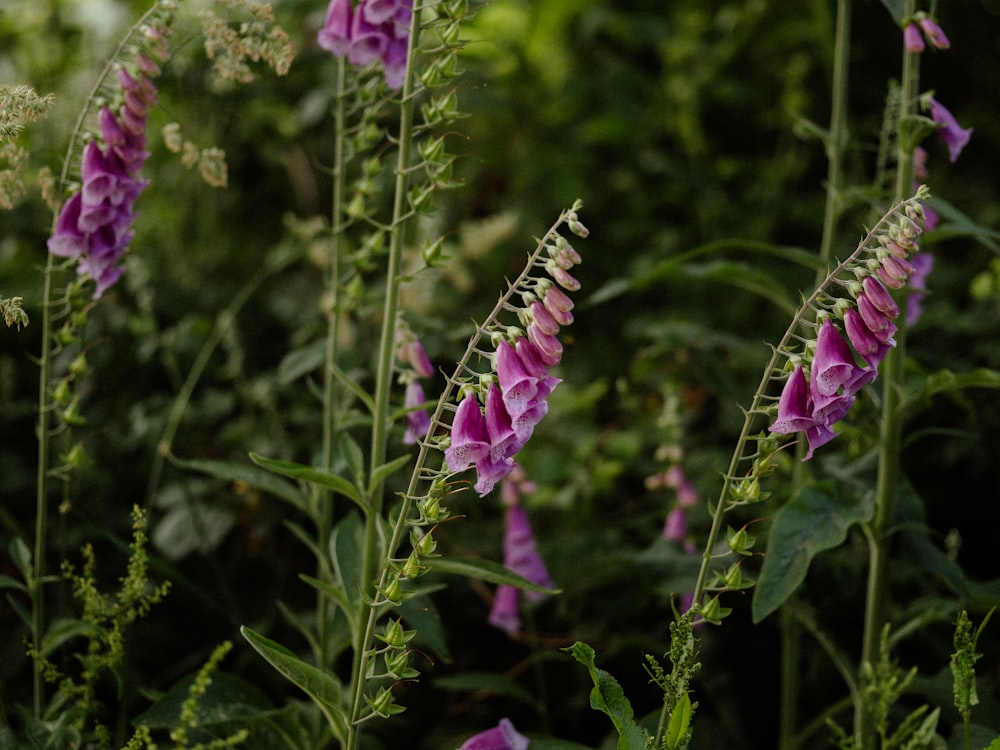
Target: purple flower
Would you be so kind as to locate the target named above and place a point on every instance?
(923, 263)
(373, 31)
(520, 551)
(94, 226)
(469, 440)
(879, 296)
(517, 385)
(861, 338)
(955, 137)
(794, 405)
(418, 421)
(501, 737)
(335, 36)
(912, 39)
(520, 554)
(675, 527)
(505, 613)
(935, 35)
(833, 366)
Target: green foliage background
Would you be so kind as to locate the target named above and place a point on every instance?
(684, 126)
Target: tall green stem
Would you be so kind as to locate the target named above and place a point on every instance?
(837, 141)
(879, 531)
(42, 488)
(384, 373)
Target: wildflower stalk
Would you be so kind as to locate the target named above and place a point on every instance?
(383, 381)
(728, 499)
(423, 475)
(837, 137)
(878, 531)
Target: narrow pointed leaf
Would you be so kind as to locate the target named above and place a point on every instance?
(380, 473)
(324, 689)
(319, 477)
(484, 570)
(255, 476)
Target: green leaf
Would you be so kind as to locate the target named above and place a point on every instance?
(20, 555)
(323, 688)
(817, 518)
(347, 555)
(351, 452)
(6, 582)
(946, 381)
(380, 473)
(325, 479)
(608, 697)
(486, 682)
(301, 362)
(64, 629)
(897, 9)
(255, 476)
(680, 722)
(484, 570)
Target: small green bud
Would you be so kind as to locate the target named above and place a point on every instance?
(395, 635)
(383, 703)
(423, 545)
(393, 591)
(740, 541)
(412, 567)
(714, 612)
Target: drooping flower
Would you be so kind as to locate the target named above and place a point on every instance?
(373, 31)
(335, 36)
(501, 737)
(934, 33)
(923, 263)
(521, 555)
(954, 136)
(469, 439)
(794, 405)
(418, 421)
(913, 40)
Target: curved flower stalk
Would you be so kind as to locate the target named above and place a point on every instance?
(488, 442)
(821, 373)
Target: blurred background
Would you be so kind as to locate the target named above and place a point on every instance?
(687, 130)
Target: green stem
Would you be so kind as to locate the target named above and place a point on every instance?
(324, 513)
(837, 140)
(384, 376)
(419, 475)
(878, 531)
(42, 488)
